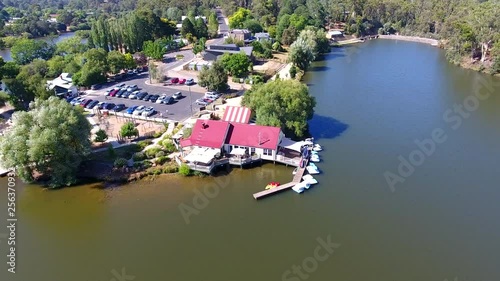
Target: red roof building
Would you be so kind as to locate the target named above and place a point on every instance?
(237, 114)
(247, 135)
(207, 133)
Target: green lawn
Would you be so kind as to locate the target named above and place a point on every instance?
(121, 152)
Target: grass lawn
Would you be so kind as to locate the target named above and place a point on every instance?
(121, 152)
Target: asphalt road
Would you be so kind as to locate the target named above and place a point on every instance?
(178, 111)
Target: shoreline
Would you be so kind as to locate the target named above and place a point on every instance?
(429, 41)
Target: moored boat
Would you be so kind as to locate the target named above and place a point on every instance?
(314, 158)
(309, 179)
(300, 187)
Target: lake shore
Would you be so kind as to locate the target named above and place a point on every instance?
(432, 42)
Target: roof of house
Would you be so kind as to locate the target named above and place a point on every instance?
(238, 114)
(63, 81)
(229, 48)
(208, 133)
(253, 136)
(262, 35)
(240, 31)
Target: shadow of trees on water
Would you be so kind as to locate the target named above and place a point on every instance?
(325, 127)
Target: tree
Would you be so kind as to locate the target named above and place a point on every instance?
(239, 17)
(19, 97)
(201, 30)
(282, 103)
(289, 35)
(153, 50)
(25, 51)
(213, 78)
(187, 27)
(101, 136)
(253, 26)
(89, 75)
(9, 69)
(213, 25)
(116, 61)
(51, 139)
(128, 130)
(174, 13)
(237, 65)
(140, 58)
(199, 46)
(71, 45)
(129, 61)
(56, 66)
(301, 54)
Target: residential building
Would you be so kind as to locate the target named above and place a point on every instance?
(241, 34)
(237, 114)
(63, 85)
(214, 51)
(262, 36)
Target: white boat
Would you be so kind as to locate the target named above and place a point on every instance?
(314, 158)
(309, 179)
(317, 147)
(314, 152)
(300, 187)
(295, 171)
(313, 170)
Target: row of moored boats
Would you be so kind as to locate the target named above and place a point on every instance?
(308, 180)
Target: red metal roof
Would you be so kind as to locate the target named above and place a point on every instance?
(207, 133)
(237, 114)
(253, 136)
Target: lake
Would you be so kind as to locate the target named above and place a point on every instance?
(5, 53)
(381, 106)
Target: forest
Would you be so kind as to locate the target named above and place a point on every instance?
(469, 29)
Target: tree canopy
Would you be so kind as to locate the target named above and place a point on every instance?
(237, 65)
(51, 139)
(25, 51)
(282, 103)
(213, 78)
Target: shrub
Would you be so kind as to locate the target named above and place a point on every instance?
(173, 168)
(236, 80)
(187, 132)
(160, 154)
(142, 144)
(158, 134)
(146, 164)
(150, 153)
(293, 72)
(101, 136)
(169, 146)
(199, 174)
(120, 162)
(138, 156)
(162, 160)
(184, 170)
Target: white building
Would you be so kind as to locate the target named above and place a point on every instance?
(62, 85)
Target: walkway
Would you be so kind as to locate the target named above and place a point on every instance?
(297, 178)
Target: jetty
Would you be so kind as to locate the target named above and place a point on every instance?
(297, 178)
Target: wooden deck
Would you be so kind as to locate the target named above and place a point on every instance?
(296, 179)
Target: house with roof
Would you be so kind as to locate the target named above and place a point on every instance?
(262, 36)
(237, 114)
(63, 85)
(241, 34)
(214, 51)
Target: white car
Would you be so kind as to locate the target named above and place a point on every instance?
(148, 111)
(160, 99)
(211, 95)
(99, 104)
(177, 95)
(133, 95)
(132, 88)
(139, 110)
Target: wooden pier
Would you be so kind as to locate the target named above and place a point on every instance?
(297, 178)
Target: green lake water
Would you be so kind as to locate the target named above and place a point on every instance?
(374, 101)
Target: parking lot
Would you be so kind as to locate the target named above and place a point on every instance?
(179, 110)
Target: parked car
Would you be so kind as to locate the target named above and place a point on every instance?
(109, 106)
(85, 103)
(99, 105)
(126, 94)
(92, 104)
(119, 107)
(174, 80)
(113, 92)
(154, 98)
(121, 85)
(108, 92)
(131, 109)
(141, 95)
(177, 95)
(148, 111)
(161, 99)
(133, 95)
(201, 102)
(182, 81)
(168, 100)
(120, 92)
(190, 81)
(139, 110)
(212, 95)
(132, 88)
(146, 97)
(102, 105)
(95, 87)
(75, 101)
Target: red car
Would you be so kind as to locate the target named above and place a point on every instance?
(113, 92)
(182, 81)
(175, 80)
(85, 103)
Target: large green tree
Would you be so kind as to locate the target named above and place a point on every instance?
(51, 139)
(25, 51)
(301, 54)
(237, 19)
(237, 65)
(282, 103)
(213, 78)
(153, 50)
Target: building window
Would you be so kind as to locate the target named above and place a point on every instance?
(268, 152)
(252, 150)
